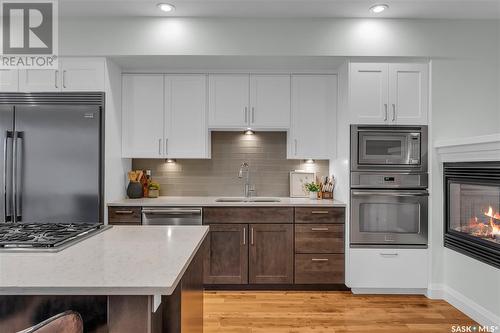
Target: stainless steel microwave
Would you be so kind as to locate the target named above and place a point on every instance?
(389, 148)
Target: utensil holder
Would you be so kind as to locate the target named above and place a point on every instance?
(134, 190)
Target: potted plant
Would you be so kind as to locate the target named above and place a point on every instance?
(313, 190)
(154, 190)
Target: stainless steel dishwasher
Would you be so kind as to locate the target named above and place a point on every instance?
(172, 216)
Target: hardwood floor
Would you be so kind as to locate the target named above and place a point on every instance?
(332, 312)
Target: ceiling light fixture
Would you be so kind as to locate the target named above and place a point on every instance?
(166, 7)
(378, 8)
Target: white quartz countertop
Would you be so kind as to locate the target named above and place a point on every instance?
(123, 260)
(211, 202)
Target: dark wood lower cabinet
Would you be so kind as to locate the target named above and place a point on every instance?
(319, 268)
(271, 253)
(226, 258)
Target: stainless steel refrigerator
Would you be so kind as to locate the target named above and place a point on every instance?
(52, 157)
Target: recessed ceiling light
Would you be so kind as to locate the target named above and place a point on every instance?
(166, 7)
(379, 8)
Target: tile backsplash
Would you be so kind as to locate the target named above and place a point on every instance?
(265, 152)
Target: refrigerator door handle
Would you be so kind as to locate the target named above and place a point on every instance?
(17, 168)
(6, 168)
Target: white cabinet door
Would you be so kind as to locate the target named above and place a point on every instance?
(82, 74)
(313, 123)
(270, 101)
(39, 80)
(143, 116)
(9, 80)
(186, 131)
(228, 101)
(388, 268)
(368, 93)
(408, 93)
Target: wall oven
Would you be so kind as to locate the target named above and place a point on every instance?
(389, 181)
(389, 148)
(389, 217)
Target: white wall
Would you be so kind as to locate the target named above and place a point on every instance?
(115, 167)
(465, 85)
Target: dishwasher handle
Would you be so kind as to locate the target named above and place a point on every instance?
(172, 211)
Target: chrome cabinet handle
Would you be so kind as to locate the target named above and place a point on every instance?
(393, 112)
(319, 229)
(56, 74)
(392, 194)
(319, 212)
(253, 115)
(389, 254)
(244, 236)
(159, 147)
(172, 211)
(386, 113)
(166, 146)
(64, 78)
(251, 236)
(319, 259)
(123, 212)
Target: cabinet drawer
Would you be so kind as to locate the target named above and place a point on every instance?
(388, 268)
(319, 215)
(124, 215)
(247, 215)
(319, 268)
(319, 238)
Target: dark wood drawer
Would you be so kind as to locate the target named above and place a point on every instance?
(319, 268)
(124, 215)
(319, 215)
(319, 238)
(247, 215)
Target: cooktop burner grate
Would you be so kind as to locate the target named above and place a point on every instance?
(42, 235)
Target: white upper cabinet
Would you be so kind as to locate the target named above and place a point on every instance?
(9, 80)
(228, 101)
(408, 93)
(39, 80)
(269, 101)
(82, 74)
(143, 116)
(73, 74)
(368, 93)
(313, 123)
(381, 93)
(256, 101)
(186, 132)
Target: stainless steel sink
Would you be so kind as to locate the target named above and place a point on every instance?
(242, 199)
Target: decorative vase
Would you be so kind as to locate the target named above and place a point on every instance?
(134, 190)
(313, 195)
(154, 193)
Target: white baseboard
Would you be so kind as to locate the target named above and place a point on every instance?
(466, 305)
(390, 291)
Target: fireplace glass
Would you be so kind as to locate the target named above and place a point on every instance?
(475, 210)
(472, 210)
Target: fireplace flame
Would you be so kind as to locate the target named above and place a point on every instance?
(495, 229)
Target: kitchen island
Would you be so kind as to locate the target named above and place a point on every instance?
(138, 274)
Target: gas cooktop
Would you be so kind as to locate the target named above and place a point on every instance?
(44, 236)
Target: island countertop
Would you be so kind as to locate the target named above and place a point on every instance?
(123, 260)
(210, 201)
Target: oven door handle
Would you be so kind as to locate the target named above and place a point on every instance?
(392, 193)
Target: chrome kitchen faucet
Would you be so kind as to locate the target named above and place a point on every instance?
(245, 168)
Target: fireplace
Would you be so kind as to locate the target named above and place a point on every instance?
(472, 210)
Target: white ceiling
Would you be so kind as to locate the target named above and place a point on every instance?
(435, 9)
